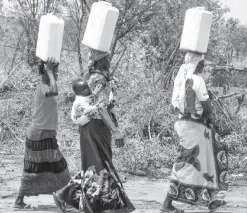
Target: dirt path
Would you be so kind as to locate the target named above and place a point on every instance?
(147, 195)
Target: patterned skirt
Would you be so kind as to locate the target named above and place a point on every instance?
(97, 188)
(200, 173)
(45, 169)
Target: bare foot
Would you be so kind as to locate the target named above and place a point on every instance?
(59, 202)
(168, 208)
(23, 206)
(215, 204)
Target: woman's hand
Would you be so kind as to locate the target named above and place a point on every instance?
(51, 64)
(90, 64)
(91, 113)
(118, 137)
(207, 109)
(41, 67)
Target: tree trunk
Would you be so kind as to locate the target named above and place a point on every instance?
(79, 55)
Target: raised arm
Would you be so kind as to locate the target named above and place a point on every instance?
(52, 72)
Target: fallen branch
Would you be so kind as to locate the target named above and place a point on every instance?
(227, 96)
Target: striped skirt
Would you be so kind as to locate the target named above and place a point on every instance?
(45, 169)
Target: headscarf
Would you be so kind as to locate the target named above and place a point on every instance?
(185, 72)
(95, 55)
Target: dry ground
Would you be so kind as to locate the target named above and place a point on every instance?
(146, 194)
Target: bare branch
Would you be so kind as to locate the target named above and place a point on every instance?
(227, 96)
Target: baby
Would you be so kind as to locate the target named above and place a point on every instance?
(83, 104)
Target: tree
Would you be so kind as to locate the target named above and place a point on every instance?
(27, 14)
(74, 26)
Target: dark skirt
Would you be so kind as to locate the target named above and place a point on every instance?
(45, 169)
(97, 187)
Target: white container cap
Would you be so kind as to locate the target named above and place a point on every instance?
(105, 3)
(52, 17)
(200, 8)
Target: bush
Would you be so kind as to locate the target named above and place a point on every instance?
(141, 155)
(143, 110)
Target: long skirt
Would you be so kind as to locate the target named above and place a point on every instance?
(200, 172)
(45, 168)
(97, 188)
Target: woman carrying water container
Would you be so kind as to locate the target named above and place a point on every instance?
(45, 169)
(199, 175)
(97, 187)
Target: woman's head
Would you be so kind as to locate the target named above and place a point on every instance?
(200, 67)
(102, 64)
(99, 60)
(195, 62)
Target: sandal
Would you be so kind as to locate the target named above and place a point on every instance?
(24, 207)
(178, 211)
(218, 203)
(172, 211)
(58, 203)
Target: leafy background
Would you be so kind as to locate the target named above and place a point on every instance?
(144, 49)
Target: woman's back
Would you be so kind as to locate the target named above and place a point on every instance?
(195, 92)
(45, 115)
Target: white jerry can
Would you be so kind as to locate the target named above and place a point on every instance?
(100, 26)
(196, 31)
(50, 37)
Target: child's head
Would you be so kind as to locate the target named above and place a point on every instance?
(81, 88)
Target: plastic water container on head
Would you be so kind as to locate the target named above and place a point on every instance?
(50, 37)
(196, 31)
(101, 26)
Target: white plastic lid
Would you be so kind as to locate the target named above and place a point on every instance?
(200, 8)
(54, 18)
(105, 3)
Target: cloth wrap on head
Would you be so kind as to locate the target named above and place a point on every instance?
(185, 72)
(95, 55)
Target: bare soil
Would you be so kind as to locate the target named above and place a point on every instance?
(146, 194)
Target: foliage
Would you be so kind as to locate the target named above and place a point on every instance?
(145, 48)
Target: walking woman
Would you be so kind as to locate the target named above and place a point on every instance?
(97, 188)
(199, 175)
(45, 169)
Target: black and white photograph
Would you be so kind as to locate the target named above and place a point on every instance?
(121, 106)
